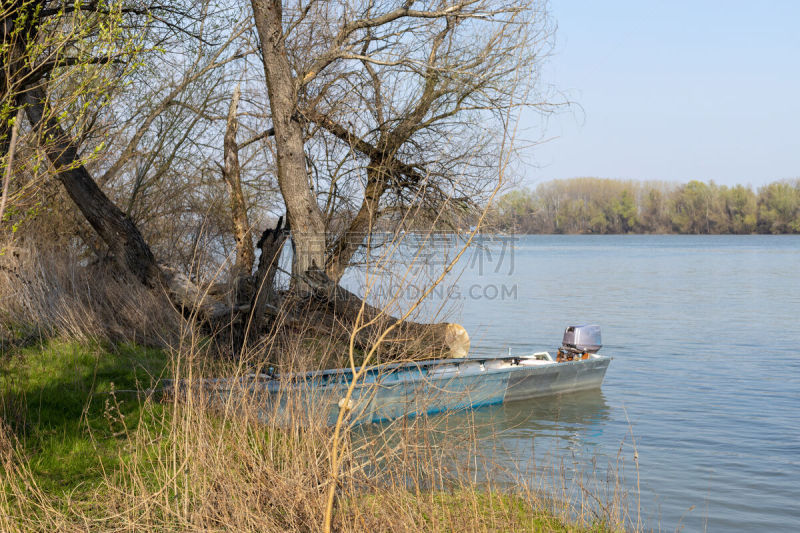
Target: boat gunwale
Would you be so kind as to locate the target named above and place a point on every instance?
(304, 379)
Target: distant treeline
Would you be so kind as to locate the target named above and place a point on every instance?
(593, 205)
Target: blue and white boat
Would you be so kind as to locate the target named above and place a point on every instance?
(390, 391)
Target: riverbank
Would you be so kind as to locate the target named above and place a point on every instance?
(89, 443)
(609, 206)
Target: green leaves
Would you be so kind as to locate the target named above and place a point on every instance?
(592, 205)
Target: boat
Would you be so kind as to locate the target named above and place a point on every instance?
(390, 391)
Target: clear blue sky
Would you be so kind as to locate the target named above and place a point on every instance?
(673, 91)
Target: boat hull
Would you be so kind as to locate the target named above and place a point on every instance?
(413, 390)
(563, 377)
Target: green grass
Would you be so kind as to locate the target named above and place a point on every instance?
(72, 407)
(458, 509)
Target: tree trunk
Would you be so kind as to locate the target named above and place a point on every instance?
(343, 311)
(265, 296)
(342, 252)
(117, 230)
(304, 215)
(245, 255)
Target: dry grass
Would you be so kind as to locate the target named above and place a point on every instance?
(46, 293)
(195, 461)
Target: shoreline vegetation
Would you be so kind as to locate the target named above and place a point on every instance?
(92, 440)
(609, 206)
(89, 442)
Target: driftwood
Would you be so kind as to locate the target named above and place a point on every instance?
(332, 302)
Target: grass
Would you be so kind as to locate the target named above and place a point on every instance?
(72, 406)
(86, 447)
(460, 510)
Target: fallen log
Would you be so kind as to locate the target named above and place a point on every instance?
(405, 339)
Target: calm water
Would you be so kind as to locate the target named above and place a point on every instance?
(705, 335)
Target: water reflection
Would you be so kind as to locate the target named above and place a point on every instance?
(566, 425)
(524, 441)
(573, 416)
(583, 412)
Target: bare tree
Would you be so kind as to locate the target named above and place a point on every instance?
(429, 98)
(389, 82)
(373, 111)
(393, 83)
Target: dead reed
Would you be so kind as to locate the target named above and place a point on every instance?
(46, 293)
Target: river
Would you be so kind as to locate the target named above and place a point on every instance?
(705, 336)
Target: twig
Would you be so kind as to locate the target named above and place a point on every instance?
(10, 162)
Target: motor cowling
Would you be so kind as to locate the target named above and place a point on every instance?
(582, 339)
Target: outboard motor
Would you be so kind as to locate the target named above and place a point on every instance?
(579, 342)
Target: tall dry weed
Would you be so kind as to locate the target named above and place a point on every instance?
(47, 293)
(206, 457)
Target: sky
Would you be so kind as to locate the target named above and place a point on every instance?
(671, 91)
